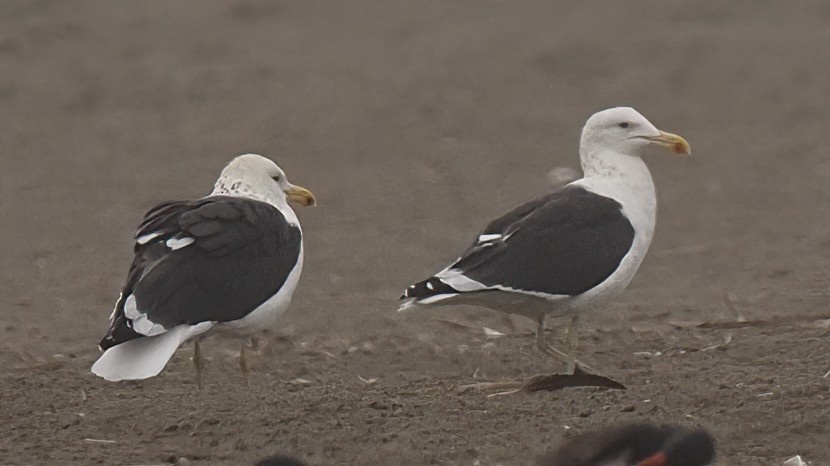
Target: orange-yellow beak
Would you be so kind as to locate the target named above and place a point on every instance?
(672, 141)
(301, 195)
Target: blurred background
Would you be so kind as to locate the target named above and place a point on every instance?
(415, 123)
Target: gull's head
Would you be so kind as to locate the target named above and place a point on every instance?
(623, 130)
(254, 176)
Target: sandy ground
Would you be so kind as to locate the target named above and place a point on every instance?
(414, 123)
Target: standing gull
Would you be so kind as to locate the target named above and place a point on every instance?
(228, 261)
(570, 249)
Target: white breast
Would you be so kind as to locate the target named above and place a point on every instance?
(634, 189)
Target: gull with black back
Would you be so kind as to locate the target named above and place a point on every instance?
(229, 261)
(569, 250)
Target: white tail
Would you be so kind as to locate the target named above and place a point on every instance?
(145, 357)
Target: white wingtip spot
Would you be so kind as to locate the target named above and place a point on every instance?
(178, 243)
(429, 286)
(490, 237)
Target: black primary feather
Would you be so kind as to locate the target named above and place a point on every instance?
(242, 253)
(563, 243)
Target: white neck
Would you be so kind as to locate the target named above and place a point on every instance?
(230, 185)
(625, 178)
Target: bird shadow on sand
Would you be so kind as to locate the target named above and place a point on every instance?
(546, 382)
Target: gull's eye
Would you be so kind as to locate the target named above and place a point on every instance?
(276, 178)
(625, 124)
